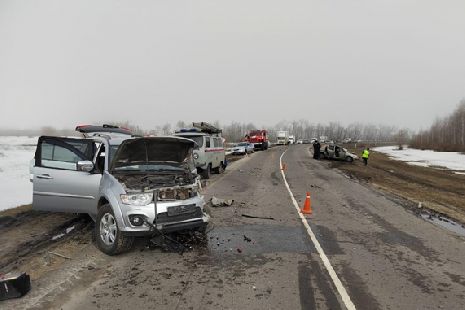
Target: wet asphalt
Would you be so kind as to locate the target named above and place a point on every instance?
(385, 256)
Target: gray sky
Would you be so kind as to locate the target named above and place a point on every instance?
(396, 62)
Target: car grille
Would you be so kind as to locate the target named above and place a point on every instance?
(179, 213)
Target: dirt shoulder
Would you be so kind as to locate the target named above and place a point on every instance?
(438, 190)
(39, 242)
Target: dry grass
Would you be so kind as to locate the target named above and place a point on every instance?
(439, 190)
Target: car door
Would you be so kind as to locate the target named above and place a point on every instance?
(213, 153)
(218, 151)
(57, 185)
(331, 151)
(209, 154)
(342, 153)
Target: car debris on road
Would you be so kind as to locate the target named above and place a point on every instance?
(257, 217)
(14, 285)
(217, 202)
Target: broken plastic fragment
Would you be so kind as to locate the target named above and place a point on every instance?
(217, 202)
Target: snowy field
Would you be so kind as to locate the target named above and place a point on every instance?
(449, 160)
(15, 155)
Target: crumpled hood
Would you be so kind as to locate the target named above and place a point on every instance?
(152, 149)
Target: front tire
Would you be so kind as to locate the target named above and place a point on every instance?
(206, 173)
(349, 159)
(109, 238)
(219, 169)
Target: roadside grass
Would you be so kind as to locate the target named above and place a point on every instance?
(15, 211)
(437, 189)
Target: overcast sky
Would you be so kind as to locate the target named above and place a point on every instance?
(396, 62)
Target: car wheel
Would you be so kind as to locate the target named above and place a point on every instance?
(206, 172)
(349, 159)
(109, 238)
(219, 169)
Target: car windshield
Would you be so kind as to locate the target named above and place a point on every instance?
(113, 149)
(197, 139)
(150, 154)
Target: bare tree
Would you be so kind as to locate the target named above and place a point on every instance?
(446, 134)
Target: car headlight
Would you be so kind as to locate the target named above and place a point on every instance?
(141, 199)
(196, 156)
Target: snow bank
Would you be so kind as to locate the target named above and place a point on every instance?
(427, 158)
(15, 155)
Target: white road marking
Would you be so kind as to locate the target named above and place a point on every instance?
(340, 288)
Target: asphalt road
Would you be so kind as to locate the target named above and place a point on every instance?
(384, 256)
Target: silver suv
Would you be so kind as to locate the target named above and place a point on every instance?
(131, 186)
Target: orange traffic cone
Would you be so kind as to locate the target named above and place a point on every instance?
(307, 209)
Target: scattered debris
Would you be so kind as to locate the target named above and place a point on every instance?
(14, 285)
(257, 217)
(168, 244)
(179, 242)
(56, 237)
(217, 202)
(59, 255)
(247, 239)
(239, 250)
(61, 235)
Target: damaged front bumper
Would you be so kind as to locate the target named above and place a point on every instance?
(165, 216)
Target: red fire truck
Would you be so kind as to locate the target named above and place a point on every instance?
(259, 138)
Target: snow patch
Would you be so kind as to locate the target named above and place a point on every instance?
(16, 154)
(426, 158)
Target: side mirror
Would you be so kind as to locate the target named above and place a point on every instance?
(85, 165)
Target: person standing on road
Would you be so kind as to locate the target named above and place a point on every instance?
(316, 149)
(365, 155)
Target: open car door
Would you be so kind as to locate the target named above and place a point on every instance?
(57, 184)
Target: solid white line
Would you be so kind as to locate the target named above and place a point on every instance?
(340, 288)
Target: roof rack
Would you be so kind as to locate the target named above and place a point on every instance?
(92, 129)
(207, 128)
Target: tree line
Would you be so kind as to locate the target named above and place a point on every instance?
(303, 129)
(236, 131)
(446, 134)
